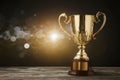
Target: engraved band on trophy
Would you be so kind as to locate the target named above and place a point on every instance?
(82, 32)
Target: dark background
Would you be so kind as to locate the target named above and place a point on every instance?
(103, 51)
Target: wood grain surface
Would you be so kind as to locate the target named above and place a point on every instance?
(56, 73)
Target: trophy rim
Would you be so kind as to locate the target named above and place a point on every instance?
(82, 14)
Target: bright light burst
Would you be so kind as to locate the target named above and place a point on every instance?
(54, 36)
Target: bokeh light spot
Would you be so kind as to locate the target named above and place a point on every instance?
(13, 38)
(26, 45)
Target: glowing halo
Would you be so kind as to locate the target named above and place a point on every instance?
(54, 36)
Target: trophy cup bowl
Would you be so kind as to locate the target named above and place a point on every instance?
(81, 32)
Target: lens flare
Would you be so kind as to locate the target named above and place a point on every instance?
(54, 36)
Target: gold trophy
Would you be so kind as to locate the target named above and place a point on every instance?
(81, 32)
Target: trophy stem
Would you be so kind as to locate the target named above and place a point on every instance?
(82, 52)
(80, 63)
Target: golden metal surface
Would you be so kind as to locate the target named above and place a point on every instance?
(82, 28)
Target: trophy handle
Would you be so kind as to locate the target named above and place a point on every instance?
(66, 20)
(104, 21)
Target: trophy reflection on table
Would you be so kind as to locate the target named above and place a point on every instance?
(81, 32)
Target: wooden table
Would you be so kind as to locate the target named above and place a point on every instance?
(56, 73)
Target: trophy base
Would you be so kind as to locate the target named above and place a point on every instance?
(90, 72)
